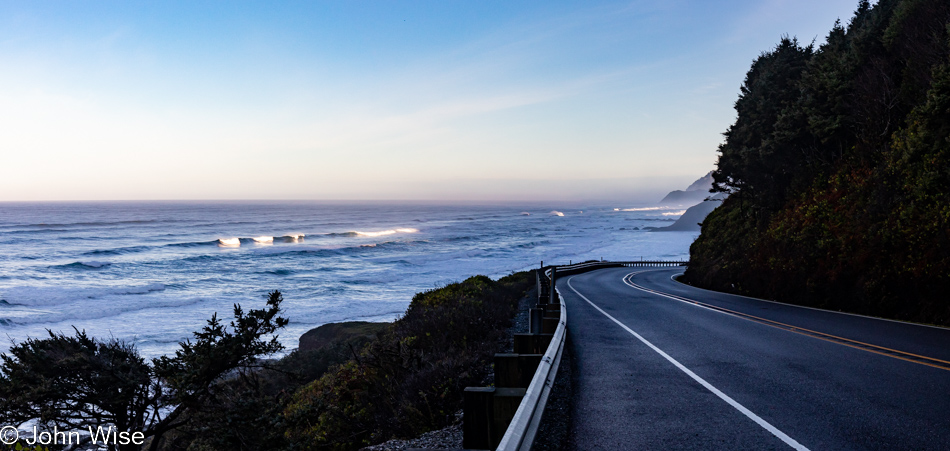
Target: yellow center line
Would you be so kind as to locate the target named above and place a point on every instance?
(881, 350)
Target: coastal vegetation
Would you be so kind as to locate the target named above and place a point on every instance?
(78, 383)
(838, 170)
(347, 386)
(411, 378)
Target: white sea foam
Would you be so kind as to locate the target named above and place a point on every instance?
(524, 213)
(674, 213)
(229, 242)
(387, 232)
(264, 240)
(556, 213)
(640, 209)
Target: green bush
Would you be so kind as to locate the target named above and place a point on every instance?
(410, 380)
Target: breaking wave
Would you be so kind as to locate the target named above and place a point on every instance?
(640, 209)
(229, 242)
(358, 233)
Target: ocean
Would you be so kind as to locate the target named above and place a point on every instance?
(153, 272)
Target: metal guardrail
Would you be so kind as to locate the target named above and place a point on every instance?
(524, 425)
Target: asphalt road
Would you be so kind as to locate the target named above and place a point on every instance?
(662, 372)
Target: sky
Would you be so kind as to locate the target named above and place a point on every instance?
(386, 100)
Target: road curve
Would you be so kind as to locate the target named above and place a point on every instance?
(662, 365)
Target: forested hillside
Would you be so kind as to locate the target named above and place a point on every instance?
(838, 166)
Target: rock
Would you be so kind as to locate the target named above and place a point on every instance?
(690, 220)
(695, 192)
(323, 335)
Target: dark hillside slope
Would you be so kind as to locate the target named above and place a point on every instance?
(839, 165)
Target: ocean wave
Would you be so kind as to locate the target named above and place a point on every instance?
(279, 272)
(201, 258)
(674, 213)
(43, 225)
(117, 251)
(84, 314)
(373, 234)
(556, 213)
(453, 239)
(229, 242)
(32, 232)
(532, 244)
(330, 250)
(193, 244)
(388, 232)
(235, 241)
(346, 234)
(641, 209)
(51, 296)
(93, 264)
(303, 249)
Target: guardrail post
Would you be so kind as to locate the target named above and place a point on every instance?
(478, 417)
(515, 370)
(553, 291)
(531, 343)
(487, 413)
(505, 403)
(534, 320)
(537, 278)
(549, 325)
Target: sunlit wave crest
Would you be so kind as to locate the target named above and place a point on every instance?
(640, 209)
(229, 242)
(386, 232)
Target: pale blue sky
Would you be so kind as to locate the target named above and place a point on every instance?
(446, 100)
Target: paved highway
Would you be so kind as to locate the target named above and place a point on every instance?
(662, 365)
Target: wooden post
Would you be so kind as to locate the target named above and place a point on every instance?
(532, 343)
(553, 298)
(505, 404)
(549, 325)
(537, 278)
(515, 370)
(478, 417)
(534, 320)
(486, 414)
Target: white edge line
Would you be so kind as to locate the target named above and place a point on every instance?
(765, 424)
(668, 296)
(807, 307)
